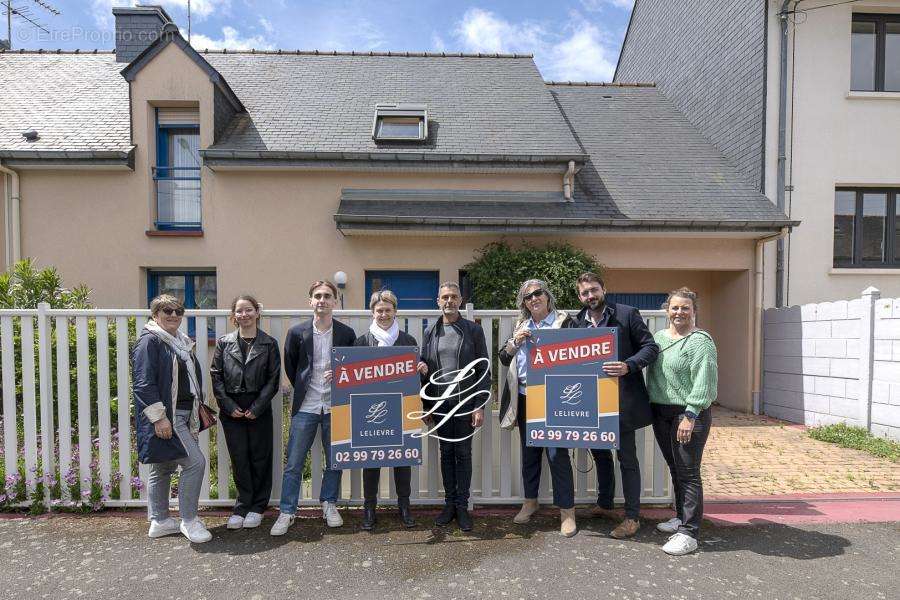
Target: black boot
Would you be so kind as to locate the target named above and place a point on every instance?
(405, 515)
(368, 523)
(463, 518)
(447, 515)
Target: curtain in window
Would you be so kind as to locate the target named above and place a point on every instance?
(184, 153)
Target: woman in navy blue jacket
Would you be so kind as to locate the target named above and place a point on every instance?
(167, 390)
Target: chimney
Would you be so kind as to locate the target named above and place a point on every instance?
(136, 28)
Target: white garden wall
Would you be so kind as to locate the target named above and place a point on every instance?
(834, 362)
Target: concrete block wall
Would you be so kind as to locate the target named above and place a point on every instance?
(885, 406)
(834, 362)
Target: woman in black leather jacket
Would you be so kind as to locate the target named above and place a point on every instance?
(246, 372)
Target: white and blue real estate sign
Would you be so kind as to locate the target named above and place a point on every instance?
(373, 391)
(570, 401)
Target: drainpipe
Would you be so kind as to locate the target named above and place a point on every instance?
(11, 213)
(757, 315)
(782, 154)
(568, 179)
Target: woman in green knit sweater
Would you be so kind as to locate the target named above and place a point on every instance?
(682, 384)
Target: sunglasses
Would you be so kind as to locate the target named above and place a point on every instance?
(170, 311)
(534, 294)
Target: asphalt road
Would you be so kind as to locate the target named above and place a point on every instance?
(111, 557)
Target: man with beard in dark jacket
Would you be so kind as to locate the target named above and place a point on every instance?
(637, 350)
(450, 344)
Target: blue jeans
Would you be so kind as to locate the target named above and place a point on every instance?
(303, 433)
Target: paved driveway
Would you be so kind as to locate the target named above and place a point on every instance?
(748, 455)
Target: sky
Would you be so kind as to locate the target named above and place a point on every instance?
(572, 40)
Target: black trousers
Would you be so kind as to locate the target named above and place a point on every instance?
(249, 444)
(402, 476)
(560, 467)
(456, 460)
(684, 462)
(630, 469)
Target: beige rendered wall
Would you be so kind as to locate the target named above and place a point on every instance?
(837, 140)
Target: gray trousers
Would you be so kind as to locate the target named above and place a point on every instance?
(193, 466)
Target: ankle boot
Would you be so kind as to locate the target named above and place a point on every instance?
(463, 518)
(447, 515)
(368, 523)
(405, 515)
(529, 507)
(567, 526)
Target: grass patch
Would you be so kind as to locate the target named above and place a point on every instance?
(858, 439)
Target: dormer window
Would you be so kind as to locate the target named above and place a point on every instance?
(407, 122)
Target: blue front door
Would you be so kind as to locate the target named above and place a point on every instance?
(414, 289)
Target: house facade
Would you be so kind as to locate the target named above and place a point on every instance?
(161, 167)
(804, 99)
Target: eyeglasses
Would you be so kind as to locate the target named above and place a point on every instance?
(170, 311)
(534, 294)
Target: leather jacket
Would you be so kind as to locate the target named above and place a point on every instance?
(260, 374)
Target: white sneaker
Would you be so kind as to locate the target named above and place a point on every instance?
(235, 522)
(670, 526)
(680, 544)
(281, 524)
(161, 528)
(331, 515)
(195, 531)
(253, 519)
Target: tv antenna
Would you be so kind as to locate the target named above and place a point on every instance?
(26, 12)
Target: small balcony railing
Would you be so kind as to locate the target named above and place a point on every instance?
(177, 198)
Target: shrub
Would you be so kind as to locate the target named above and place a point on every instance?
(500, 269)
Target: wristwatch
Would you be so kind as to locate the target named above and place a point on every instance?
(690, 415)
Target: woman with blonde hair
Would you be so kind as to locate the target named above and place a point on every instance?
(167, 390)
(245, 373)
(385, 331)
(683, 384)
(537, 307)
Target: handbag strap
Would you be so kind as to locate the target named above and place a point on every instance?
(675, 343)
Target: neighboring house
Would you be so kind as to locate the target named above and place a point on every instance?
(721, 65)
(161, 168)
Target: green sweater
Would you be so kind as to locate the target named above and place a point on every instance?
(686, 372)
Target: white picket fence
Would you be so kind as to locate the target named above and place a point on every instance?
(496, 474)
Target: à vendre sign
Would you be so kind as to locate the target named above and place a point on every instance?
(374, 390)
(571, 402)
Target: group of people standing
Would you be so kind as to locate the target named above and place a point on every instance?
(246, 374)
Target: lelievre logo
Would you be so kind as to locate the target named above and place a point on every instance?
(377, 420)
(572, 401)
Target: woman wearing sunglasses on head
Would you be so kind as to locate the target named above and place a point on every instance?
(537, 307)
(166, 385)
(246, 372)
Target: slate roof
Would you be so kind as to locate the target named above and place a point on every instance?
(483, 105)
(648, 169)
(78, 104)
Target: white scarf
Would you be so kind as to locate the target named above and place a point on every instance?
(385, 338)
(183, 347)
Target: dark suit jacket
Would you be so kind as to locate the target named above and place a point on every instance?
(638, 350)
(298, 355)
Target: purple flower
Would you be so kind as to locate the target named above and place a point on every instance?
(2, 497)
